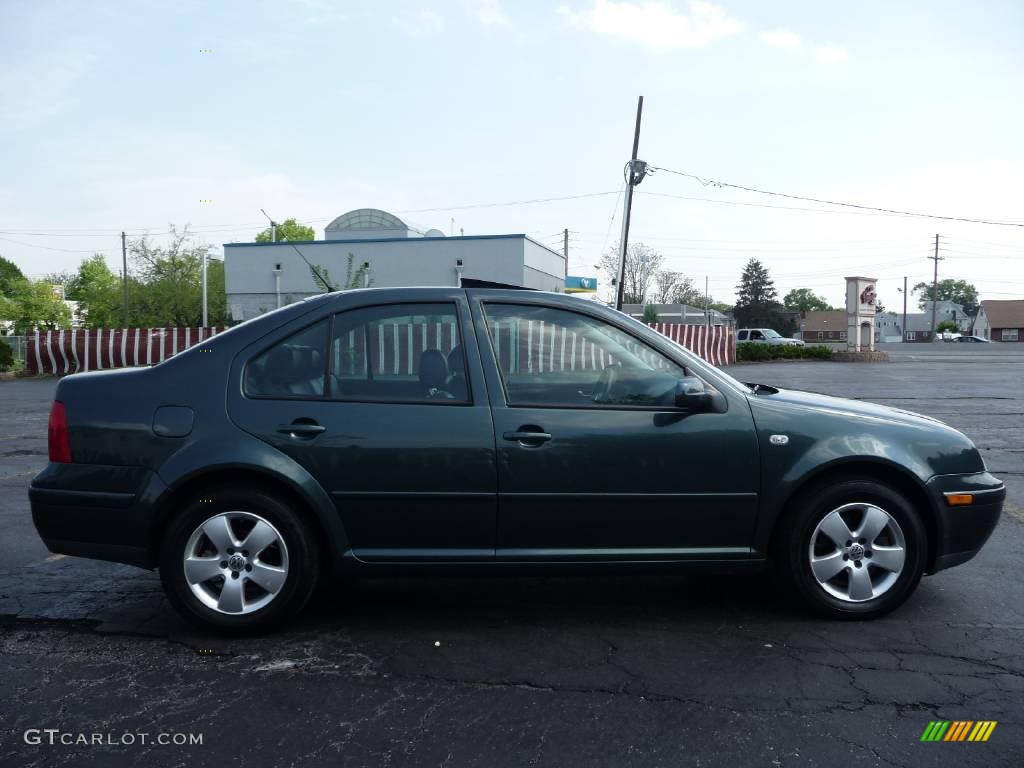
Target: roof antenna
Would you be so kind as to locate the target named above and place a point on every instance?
(273, 235)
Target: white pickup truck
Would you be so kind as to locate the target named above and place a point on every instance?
(765, 336)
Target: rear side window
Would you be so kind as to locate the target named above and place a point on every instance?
(399, 353)
(743, 336)
(295, 367)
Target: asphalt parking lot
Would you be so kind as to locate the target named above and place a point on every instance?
(619, 671)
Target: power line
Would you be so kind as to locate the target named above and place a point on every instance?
(46, 247)
(210, 228)
(890, 211)
(763, 205)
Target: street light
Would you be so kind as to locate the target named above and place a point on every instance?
(206, 258)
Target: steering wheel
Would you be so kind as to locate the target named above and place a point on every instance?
(603, 391)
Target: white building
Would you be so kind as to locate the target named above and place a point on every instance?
(262, 276)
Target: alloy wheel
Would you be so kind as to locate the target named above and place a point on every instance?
(857, 552)
(235, 562)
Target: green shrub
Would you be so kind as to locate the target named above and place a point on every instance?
(752, 351)
(6, 356)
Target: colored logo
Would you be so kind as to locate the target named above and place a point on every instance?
(958, 730)
(575, 284)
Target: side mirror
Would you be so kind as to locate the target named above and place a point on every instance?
(691, 396)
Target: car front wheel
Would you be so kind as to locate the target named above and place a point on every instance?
(238, 562)
(855, 549)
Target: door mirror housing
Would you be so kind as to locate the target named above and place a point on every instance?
(692, 396)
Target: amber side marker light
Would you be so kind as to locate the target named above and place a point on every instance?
(959, 499)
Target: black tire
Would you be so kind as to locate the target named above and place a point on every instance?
(303, 561)
(795, 540)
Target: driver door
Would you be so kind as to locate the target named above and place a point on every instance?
(621, 475)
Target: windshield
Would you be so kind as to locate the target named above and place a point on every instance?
(770, 334)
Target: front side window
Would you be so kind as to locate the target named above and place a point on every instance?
(553, 357)
(756, 336)
(294, 367)
(409, 353)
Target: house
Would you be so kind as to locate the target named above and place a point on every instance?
(919, 324)
(1000, 320)
(678, 313)
(887, 327)
(823, 325)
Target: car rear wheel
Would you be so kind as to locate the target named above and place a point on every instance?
(855, 549)
(239, 561)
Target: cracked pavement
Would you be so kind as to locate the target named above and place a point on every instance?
(601, 669)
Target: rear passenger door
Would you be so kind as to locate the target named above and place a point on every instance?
(395, 425)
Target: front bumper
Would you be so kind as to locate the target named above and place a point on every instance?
(963, 530)
(98, 512)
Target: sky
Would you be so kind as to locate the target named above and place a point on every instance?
(135, 116)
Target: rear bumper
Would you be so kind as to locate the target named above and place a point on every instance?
(104, 513)
(963, 530)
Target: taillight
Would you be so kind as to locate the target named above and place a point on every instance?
(57, 434)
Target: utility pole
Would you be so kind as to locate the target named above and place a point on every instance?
(904, 308)
(935, 283)
(707, 304)
(124, 276)
(205, 257)
(565, 252)
(637, 171)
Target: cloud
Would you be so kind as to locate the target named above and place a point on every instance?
(422, 23)
(490, 13)
(657, 25)
(780, 38)
(830, 54)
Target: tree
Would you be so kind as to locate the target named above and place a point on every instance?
(756, 286)
(805, 300)
(35, 304)
(642, 264)
(958, 291)
(98, 292)
(674, 288)
(650, 314)
(289, 229)
(9, 275)
(947, 325)
(167, 288)
(757, 305)
(6, 356)
(353, 277)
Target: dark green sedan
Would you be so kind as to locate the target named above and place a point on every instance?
(365, 431)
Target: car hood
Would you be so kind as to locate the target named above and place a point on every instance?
(843, 406)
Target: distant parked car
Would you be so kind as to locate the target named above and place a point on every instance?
(974, 340)
(766, 336)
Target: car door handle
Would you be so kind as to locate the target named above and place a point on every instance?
(527, 437)
(301, 429)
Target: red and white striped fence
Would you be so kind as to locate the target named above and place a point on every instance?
(712, 343)
(540, 348)
(78, 349)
